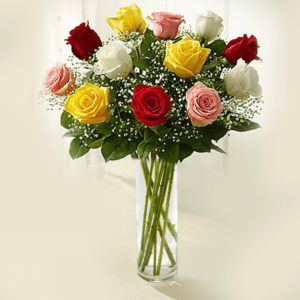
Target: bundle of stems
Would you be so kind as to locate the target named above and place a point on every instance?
(159, 182)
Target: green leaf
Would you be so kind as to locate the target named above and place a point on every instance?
(184, 151)
(133, 55)
(97, 144)
(74, 132)
(213, 64)
(171, 152)
(245, 126)
(150, 135)
(149, 38)
(217, 46)
(77, 149)
(206, 140)
(103, 129)
(144, 148)
(176, 40)
(115, 147)
(143, 64)
(112, 96)
(216, 131)
(89, 74)
(218, 149)
(161, 129)
(67, 120)
(195, 144)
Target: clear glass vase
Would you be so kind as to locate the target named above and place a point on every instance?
(156, 203)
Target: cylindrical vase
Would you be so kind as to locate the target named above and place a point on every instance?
(156, 203)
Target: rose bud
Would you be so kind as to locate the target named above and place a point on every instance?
(242, 47)
(59, 80)
(113, 60)
(209, 26)
(165, 24)
(83, 41)
(150, 104)
(204, 105)
(242, 81)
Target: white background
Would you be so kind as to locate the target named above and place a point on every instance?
(54, 210)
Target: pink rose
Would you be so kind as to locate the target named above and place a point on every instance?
(204, 104)
(165, 24)
(59, 80)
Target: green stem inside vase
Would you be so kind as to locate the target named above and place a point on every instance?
(149, 190)
(158, 191)
(165, 219)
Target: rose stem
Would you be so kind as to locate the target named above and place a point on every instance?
(137, 53)
(159, 168)
(170, 226)
(147, 179)
(158, 175)
(145, 171)
(154, 255)
(168, 250)
(165, 219)
(138, 56)
(159, 204)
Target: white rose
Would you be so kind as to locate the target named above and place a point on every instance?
(242, 81)
(113, 60)
(209, 26)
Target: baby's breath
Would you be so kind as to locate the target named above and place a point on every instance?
(123, 122)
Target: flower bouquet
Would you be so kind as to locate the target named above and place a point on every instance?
(158, 95)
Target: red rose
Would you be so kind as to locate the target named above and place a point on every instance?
(83, 41)
(242, 47)
(150, 104)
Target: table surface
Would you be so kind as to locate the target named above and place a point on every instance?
(76, 239)
(73, 244)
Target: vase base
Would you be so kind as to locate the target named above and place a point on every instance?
(167, 273)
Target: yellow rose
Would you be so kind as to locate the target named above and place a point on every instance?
(186, 57)
(89, 104)
(129, 19)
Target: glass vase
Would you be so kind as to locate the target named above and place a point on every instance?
(156, 203)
